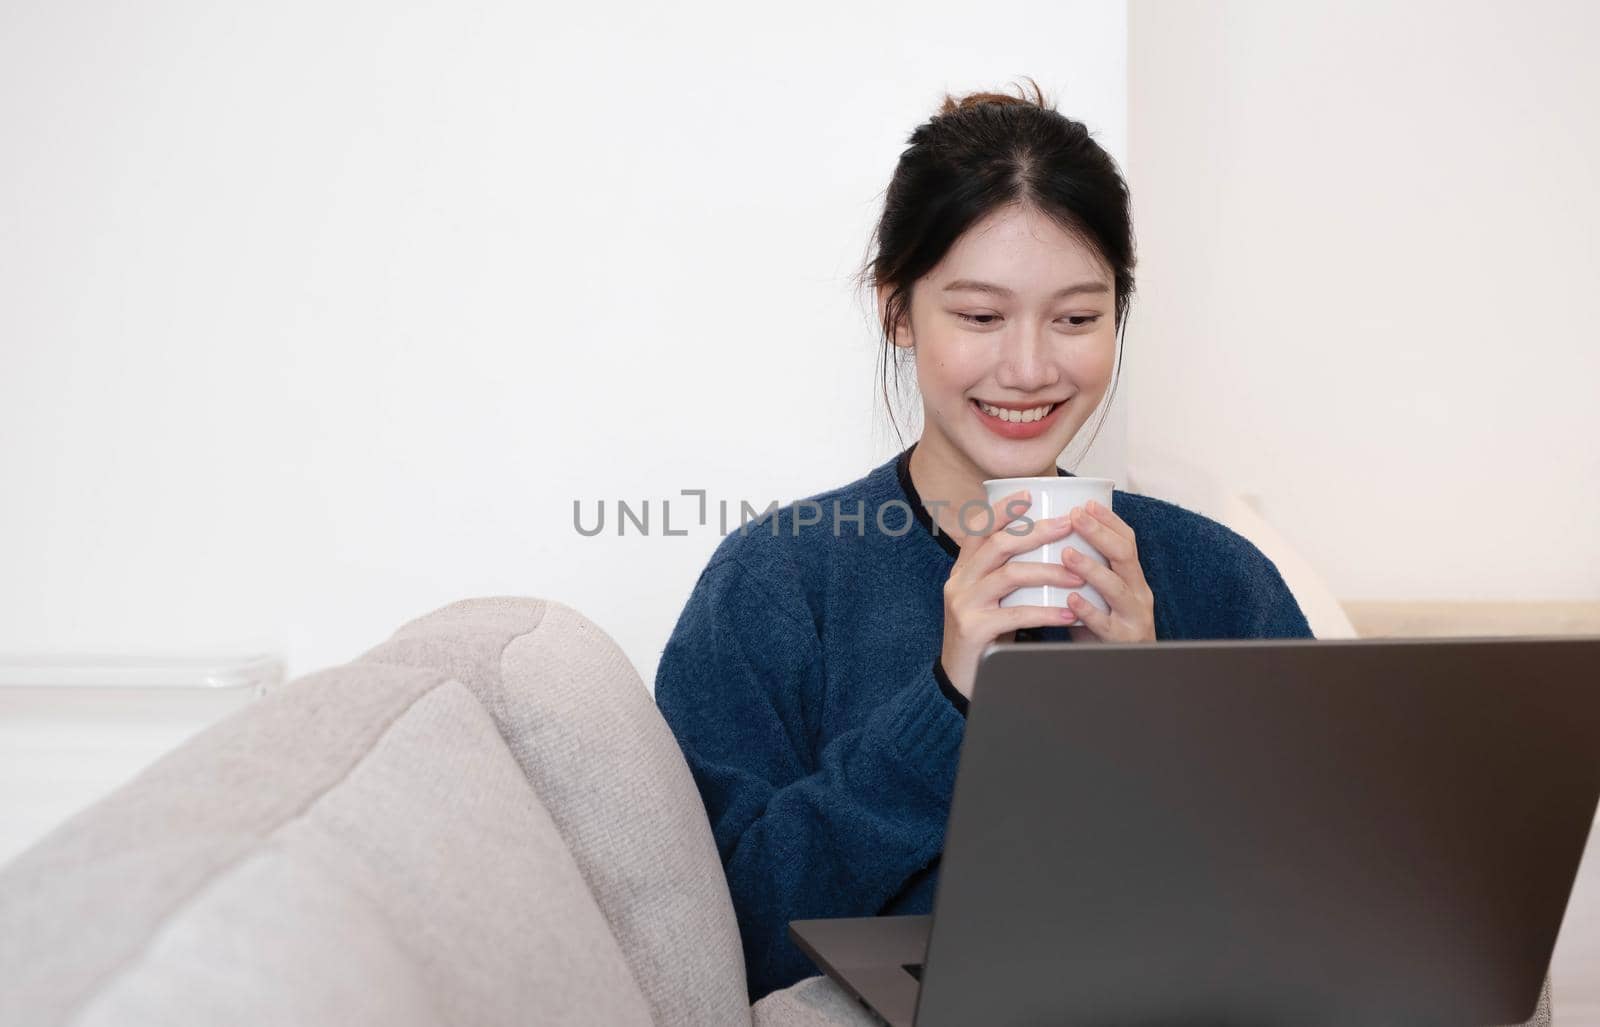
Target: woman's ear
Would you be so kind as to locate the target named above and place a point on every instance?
(903, 336)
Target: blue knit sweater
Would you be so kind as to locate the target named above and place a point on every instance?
(802, 683)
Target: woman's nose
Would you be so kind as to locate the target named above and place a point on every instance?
(1025, 363)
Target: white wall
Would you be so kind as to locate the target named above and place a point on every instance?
(319, 316)
(1368, 264)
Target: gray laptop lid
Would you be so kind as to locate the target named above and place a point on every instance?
(1267, 831)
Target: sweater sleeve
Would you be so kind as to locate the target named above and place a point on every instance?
(801, 832)
(1266, 607)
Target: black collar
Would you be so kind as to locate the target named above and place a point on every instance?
(902, 471)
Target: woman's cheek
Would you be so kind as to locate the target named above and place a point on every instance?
(1095, 363)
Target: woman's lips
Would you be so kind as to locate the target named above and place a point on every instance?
(1017, 429)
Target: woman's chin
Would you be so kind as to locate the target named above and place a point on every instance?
(1019, 458)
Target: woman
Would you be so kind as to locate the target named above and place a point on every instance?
(818, 678)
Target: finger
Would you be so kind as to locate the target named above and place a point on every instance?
(1115, 547)
(1109, 516)
(1011, 618)
(968, 566)
(1110, 584)
(1009, 577)
(1002, 512)
(1091, 616)
(1010, 539)
(1132, 570)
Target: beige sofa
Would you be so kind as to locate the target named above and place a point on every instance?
(482, 821)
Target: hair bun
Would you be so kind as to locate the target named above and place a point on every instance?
(954, 104)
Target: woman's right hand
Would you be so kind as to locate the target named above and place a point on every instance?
(981, 577)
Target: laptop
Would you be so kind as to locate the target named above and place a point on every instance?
(1265, 831)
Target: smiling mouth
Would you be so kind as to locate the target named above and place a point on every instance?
(1028, 416)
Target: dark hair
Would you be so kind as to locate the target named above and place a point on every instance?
(980, 153)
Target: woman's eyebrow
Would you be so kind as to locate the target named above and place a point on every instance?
(971, 285)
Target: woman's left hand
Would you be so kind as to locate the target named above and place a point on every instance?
(1121, 585)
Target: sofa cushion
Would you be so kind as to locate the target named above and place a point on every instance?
(357, 847)
(819, 1002)
(812, 1002)
(585, 731)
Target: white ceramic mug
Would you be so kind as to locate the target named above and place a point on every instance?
(1050, 497)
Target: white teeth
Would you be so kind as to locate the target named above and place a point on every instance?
(1015, 416)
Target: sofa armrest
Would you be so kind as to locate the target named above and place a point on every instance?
(1429, 618)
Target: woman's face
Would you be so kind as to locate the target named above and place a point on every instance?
(1042, 336)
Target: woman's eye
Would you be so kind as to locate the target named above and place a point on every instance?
(1076, 320)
